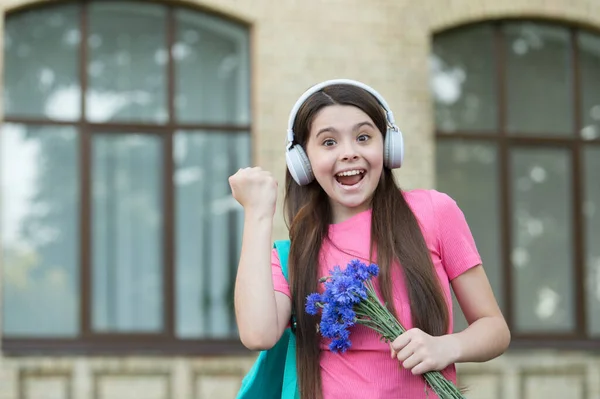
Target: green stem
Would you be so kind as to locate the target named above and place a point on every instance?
(375, 315)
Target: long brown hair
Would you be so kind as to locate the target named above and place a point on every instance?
(395, 233)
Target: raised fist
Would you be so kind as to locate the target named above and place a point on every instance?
(256, 190)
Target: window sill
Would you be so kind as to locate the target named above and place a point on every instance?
(555, 343)
(122, 346)
(160, 346)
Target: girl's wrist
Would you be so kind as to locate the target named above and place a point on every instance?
(258, 216)
(454, 348)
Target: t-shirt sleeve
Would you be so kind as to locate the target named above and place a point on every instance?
(456, 243)
(279, 282)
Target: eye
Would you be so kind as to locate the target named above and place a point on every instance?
(329, 142)
(363, 137)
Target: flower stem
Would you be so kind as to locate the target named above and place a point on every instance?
(372, 313)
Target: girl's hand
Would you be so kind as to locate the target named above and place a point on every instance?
(419, 352)
(256, 190)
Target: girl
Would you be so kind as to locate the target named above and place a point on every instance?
(342, 203)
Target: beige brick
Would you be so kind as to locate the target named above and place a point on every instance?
(554, 387)
(46, 387)
(132, 387)
(481, 386)
(9, 380)
(217, 387)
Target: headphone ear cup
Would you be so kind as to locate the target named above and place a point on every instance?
(299, 165)
(393, 149)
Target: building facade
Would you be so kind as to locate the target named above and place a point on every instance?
(123, 119)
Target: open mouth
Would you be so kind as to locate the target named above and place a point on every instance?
(350, 177)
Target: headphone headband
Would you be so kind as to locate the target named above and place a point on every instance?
(319, 86)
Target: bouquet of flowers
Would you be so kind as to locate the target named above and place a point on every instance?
(350, 298)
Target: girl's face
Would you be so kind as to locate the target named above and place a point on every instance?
(345, 150)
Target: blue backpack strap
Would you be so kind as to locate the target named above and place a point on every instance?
(283, 250)
(289, 389)
(290, 376)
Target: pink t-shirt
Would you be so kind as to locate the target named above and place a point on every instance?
(366, 370)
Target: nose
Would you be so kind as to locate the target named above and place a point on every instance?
(348, 153)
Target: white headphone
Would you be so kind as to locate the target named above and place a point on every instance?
(296, 158)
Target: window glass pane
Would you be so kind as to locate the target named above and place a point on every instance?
(463, 80)
(591, 209)
(538, 79)
(468, 172)
(212, 71)
(589, 61)
(542, 240)
(209, 223)
(127, 68)
(127, 230)
(40, 231)
(41, 49)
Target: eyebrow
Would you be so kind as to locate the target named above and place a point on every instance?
(355, 128)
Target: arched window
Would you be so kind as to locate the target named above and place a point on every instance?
(517, 111)
(122, 122)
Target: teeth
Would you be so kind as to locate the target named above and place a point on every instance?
(350, 173)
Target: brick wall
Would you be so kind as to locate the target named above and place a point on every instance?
(294, 45)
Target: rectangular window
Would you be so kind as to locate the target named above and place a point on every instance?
(591, 215)
(469, 170)
(123, 121)
(526, 177)
(127, 229)
(542, 250)
(209, 223)
(40, 231)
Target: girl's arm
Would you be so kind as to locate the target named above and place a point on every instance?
(488, 335)
(261, 313)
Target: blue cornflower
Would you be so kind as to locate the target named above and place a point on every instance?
(373, 270)
(329, 319)
(359, 270)
(345, 289)
(340, 345)
(340, 342)
(313, 303)
(330, 326)
(347, 315)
